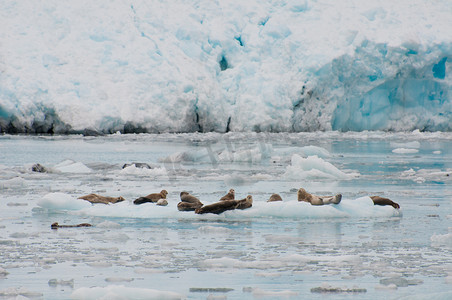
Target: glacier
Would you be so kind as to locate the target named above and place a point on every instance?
(218, 66)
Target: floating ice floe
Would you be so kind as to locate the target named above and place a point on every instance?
(62, 201)
(70, 166)
(314, 167)
(405, 150)
(361, 207)
(314, 150)
(123, 292)
(16, 182)
(133, 170)
(442, 239)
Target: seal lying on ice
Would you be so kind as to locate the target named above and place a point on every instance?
(94, 198)
(155, 197)
(222, 206)
(384, 201)
(274, 197)
(318, 200)
(188, 202)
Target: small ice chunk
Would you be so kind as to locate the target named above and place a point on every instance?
(442, 239)
(257, 292)
(314, 150)
(70, 166)
(405, 150)
(123, 292)
(16, 292)
(13, 183)
(313, 167)
(118, 279)
(386, 287)
(61, 201)
(154, 172)
(3, 272)
(214, 229)
(109, 224)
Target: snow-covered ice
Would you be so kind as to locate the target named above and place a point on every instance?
(178, 66)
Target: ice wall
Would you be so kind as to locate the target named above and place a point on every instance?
(184, 66)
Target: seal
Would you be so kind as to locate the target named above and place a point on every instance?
(137, 165)
(229, 196)
(274, 197)
(187, 197)
(188, 202)
(155, 197)
(384, 201)
(94, 198)
(222, 206)
(56, 225)
(39, 168)
(318, 200)
(162, 202)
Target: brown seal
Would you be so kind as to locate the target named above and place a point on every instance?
(229, 196)
(188, 202)
(384, 201)
(274, 197)
(94, 198)
(222, 206)
(318, 200)
(56, 225)
(155, 197)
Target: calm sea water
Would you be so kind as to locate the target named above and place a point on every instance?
(264, 253)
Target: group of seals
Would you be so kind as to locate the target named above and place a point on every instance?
(224, 205)
(189, 202)
(304, 196)
(227, 202)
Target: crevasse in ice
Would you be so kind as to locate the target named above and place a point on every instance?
(178, 66)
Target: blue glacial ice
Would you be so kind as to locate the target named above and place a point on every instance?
(159, 66)
(273, 250)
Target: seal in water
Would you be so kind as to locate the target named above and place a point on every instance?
(155, 197)
(94, 198)
(38, 168)
(56, 225)
(188, 202)
(229, 196)
(384, 201)
(222, 206)
(274, 197)
(318, 200)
